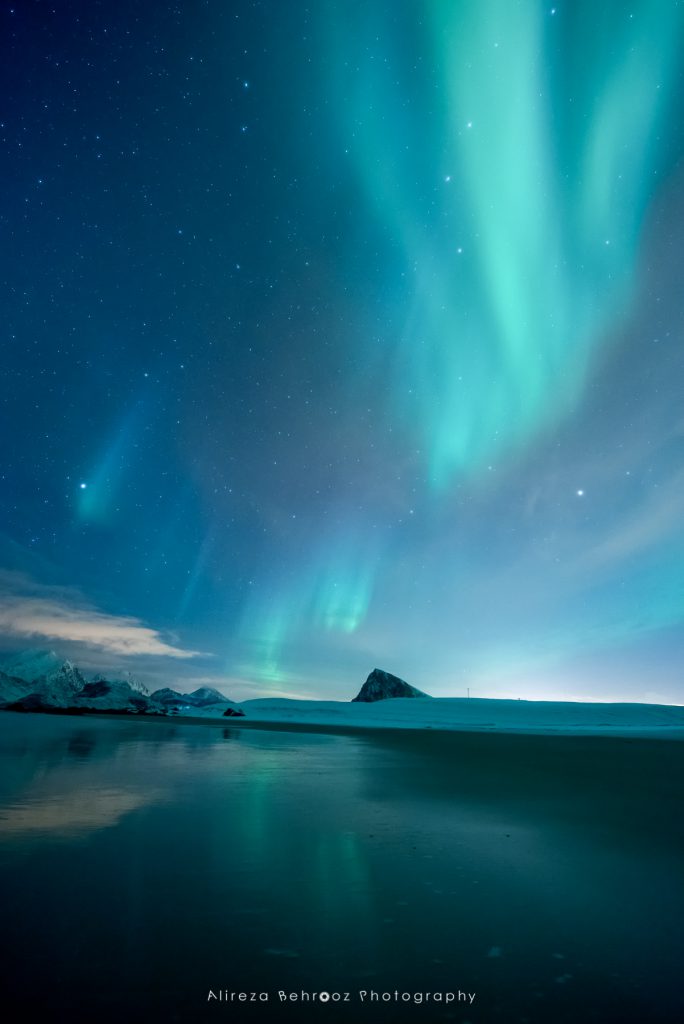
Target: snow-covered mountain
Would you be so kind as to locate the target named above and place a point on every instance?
(65, 681)
(168, 696)
(200, 698)
(37, 680)
(130, 680)
(206, 695)
(32, 664)
(40, 672)
(113, 695)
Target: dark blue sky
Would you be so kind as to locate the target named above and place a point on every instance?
(346, 334)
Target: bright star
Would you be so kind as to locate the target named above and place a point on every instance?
(83, 486)
(580, 494)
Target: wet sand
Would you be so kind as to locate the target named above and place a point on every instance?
(147, 863)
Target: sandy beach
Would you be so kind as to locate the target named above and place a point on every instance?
(147, 864)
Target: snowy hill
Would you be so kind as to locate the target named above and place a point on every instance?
(460, 714)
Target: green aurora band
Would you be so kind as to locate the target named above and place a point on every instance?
(507, 178)
(513, 169)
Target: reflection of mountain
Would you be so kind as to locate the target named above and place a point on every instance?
(41, 681)
(69, 777)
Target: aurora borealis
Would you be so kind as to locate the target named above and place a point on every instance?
(346, 334)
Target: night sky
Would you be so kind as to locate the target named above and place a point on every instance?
(342, 334)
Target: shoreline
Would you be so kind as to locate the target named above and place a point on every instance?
(671, 733)
(275, 848)
(579, 734)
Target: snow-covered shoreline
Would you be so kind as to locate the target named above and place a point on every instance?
(39, 681)
(454, 714)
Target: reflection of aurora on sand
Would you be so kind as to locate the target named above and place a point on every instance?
(268, 860)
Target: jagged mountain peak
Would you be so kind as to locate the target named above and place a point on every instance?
(207, 695)
(166, 695)
(128, 678)
(201, 697)
(382, 685)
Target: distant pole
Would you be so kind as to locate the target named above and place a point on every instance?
(468, 693)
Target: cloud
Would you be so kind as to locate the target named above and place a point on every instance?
(55, 614)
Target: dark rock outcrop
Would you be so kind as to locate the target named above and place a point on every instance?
(98, 688)
(38, 702)
(382, 685)
(233, 713)
(30, 702)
